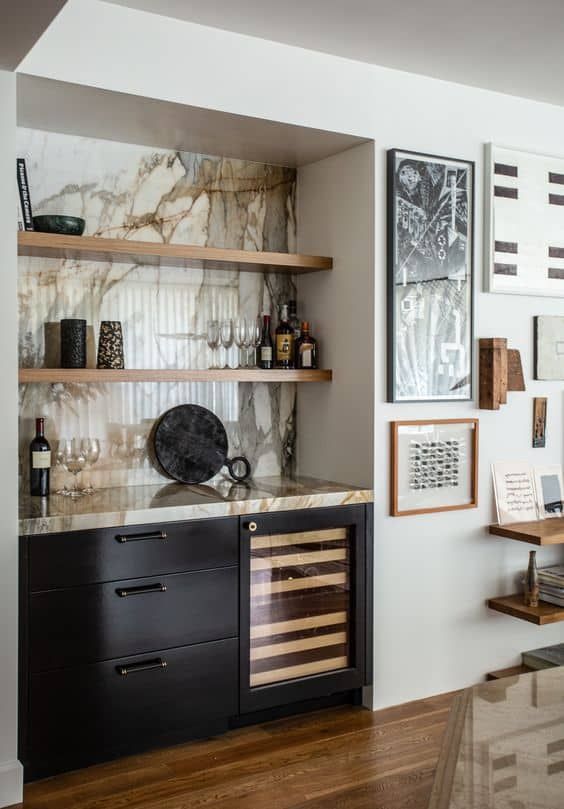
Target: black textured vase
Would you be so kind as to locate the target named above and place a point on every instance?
(73, 343)
(110, 345)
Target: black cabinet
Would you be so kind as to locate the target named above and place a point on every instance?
(304, 605)
(139, 637)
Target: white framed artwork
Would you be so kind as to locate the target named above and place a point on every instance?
(549, 347)
(524, 223)
(549, 490)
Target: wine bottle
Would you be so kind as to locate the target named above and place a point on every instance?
(306, 349)
(39, 461)
(265, 359)
(284, 340)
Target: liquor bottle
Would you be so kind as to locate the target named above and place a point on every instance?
(39, 461)
(306, 349)
(294, 320)
(284, 340)
(265, 359)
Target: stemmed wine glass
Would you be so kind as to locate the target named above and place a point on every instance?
(226, 335)
(256, 334)
(91, 449)
(71, 456)
(213, 341)
(242, 340)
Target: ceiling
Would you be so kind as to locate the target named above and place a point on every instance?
(21, 25)
(513, 46)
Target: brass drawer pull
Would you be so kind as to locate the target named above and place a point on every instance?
(143, 665)
(139, 591)
(139, 537)
(252, 526)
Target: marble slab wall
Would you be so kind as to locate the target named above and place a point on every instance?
(136, 192)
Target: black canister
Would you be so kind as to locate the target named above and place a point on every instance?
(73, 343)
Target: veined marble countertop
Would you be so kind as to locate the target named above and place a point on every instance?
(136, 505)
(504, 746)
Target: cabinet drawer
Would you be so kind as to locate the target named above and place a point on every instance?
(100, 710)
(103, 621)
(107, 554)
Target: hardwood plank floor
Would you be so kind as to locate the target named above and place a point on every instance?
(340, 758)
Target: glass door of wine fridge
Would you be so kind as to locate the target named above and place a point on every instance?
(303, 605)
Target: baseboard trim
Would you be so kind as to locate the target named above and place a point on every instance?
(11, 783)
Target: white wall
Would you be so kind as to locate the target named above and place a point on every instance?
(10, 769)
(433, 572)
(335, 213)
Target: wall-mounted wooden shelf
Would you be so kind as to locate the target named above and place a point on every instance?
(76, 375)
(95, 248)
(512, 671)
(539, 532)
(514, 605)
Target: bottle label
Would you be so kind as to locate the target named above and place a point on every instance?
(266, 353)
(284, 344)
(41, 460)
(306, 356)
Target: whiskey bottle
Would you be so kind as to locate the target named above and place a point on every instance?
(284, 340)
(265, 352)
(306, 349)
(39, 461)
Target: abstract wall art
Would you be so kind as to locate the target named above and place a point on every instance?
(549, 347)
(434, 465)
(430, 261)
(524, 229)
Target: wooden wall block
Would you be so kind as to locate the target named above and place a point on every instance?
(515, 378)
(493, 372)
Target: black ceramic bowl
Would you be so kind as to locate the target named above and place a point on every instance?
(55, 223)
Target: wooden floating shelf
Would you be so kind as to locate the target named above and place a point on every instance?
(514, 605)
(539, 532)
(512, 671)
(77, 375)
(96, 248)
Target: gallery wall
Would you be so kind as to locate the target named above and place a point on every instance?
(433, 573)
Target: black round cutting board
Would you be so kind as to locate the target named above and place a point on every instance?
(191, 445)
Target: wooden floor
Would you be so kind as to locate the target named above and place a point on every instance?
(340, 758)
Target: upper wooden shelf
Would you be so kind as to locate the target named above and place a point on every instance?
(95, 248)
(77, 375)
(539, 532)
(514, 605)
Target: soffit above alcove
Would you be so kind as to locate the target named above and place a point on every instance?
(74, 109)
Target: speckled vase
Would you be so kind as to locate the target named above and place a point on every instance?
(73, 343)
(110, 345)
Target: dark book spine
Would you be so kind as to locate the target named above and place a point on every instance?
(25, 199)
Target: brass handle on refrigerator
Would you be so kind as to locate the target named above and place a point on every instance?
(140, 537)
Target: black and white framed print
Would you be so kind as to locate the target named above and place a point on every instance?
(524, 229)
(430, 277)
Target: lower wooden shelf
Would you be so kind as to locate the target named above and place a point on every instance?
(77, 375)
(513, 605)
(512, 671)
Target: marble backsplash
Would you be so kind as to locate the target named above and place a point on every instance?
(128, 191)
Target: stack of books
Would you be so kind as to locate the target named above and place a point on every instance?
(545, 658)
(551, 584)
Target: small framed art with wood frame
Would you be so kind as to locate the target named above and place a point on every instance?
(434, 465)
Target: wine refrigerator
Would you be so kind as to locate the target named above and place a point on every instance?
(304, 605)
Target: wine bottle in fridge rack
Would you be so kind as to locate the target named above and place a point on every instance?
(39, 461)
(265, 350)
(284, 340)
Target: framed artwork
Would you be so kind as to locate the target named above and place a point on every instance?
(549, 347)
(430, 271)
(549, 490)
(539, 421)
(514, 489)
(524, 228)
(434, 466)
